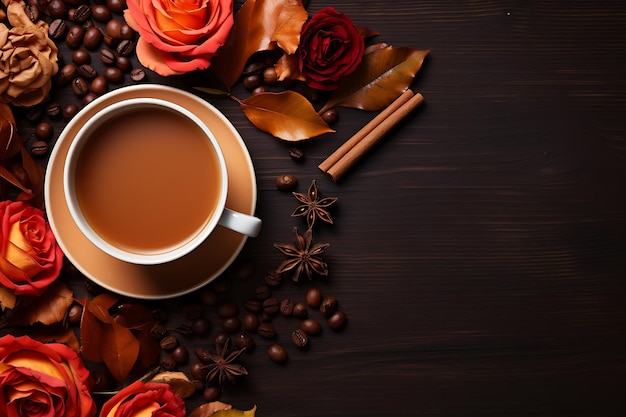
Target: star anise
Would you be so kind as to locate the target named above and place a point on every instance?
(222, 366)
(313, 206)
(302, 257)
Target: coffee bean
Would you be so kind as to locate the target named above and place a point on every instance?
(227, 309)
(273, 278)
(198, 370)
(286, 307)
(271, 305)
(74, 314)
(69, 111)
(311, 327)
(100, 13)
(330, 116)
(201, 326)
(32, 11)
(82, 13)
(250, 322)
(211, 393)
(262, 292)
(208, 297)
(314, 298)
(286, 182)
(329, 306)
(74, 37)
(110, 41)
(254, 67)
(337, 320)
(253, 305)
(244, 341)
(39, 148)
(33, 114)
(260, 89)
(57, 9)
(270, 76)
(57, 29)
(252, 81)
(221, 339)
(266, 330)
(53, 109)
(116, 6)
(231, 324)
(87, 72)
(113, 74)
(299, 338)
(277, 353)
(92, 38)
(67, 73)
(99, 85)
(169, 343)
(137, 74)
(124, 63)
(81, 56)
(107, 56)
(296, 154)
(125, 47)
(300, 311)
(180, 355)
(112, 28)
(44, 131)
(88, 98)
(80, 86)
(126, 32)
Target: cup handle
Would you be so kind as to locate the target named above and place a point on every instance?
(240, 222)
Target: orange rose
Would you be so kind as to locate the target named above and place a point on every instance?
(30, 258)
(39, 380)
(178, 36)
(144, 399)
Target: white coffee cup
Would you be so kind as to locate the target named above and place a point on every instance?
(145, 181)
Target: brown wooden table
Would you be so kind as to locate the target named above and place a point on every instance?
(479, 250)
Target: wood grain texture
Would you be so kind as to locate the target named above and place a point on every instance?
(479, 249)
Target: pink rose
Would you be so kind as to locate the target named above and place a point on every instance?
(42, 379)
(179, 36)
(144, 399)
(330, 48)
(30, 258)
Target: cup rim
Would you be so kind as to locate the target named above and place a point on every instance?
(70, 162)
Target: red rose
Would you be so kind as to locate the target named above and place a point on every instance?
(330, 47)
(144, 399)
(42, 379)
(30, 258)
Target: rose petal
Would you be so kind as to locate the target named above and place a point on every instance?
(151, 58)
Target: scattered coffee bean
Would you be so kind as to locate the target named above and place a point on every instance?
(330, 116)
(57, 9)
(67, 73)
(93, 38)
(260, 89)
(168, 363)
(201, 326)
(271, 305)
(107, 56)
(82, 13)
(252, 81)
(100, 13)
(286, 182)
(116, 6)
(244, 341)
(208, 297)
(314, 298)
(198, 370)
(137, 74)
(74, 37)
(88, 98)
(221, 339)
(277, 353)
(56, 29)
(80, 86)
(231, 324)
(99, 85)
(81, 56)
(53, 109)
(44, 131)
(112, 28)
(262, 292)
(300, 311)
(311, 327)
(227, 309)
(126, 32)
(270, 76)
(266, 330)
(169, 343)
(329, 306)
(286, 307)
(87, 72)
(125, 47)
(254, 67)
(273, 278)
(211, 393)
(69, 111)
(299, 338)
(113, 74)
(253, 305)
(32, 11)
(180, 355)
(74, 314)
(337, 320)
(296, 154)
(250, 322)
(124, 63)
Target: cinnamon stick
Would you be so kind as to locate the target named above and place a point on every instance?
(350, 152)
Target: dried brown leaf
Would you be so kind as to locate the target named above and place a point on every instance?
(48, 308)
(91, 333)
(286, 115)
(379, 79)
(259, 25)
(178, 381)
(120, 350)
(287, 68)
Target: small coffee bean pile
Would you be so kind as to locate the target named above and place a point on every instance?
(83, 33)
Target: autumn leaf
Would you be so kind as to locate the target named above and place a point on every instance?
(235, 413)
(91, 333)
(140, 320)
(48, 308)
(379, 79)
(220, 409)
(178, 381)
(288, 68)
(259, 25)
(286, 115)
(100, 306)
(120, 350)
(52, 334)
(7, 298)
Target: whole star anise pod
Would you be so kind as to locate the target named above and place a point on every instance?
(222, 366)
(313, 205)
(302, 257)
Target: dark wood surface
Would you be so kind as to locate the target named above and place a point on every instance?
(479, 250)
